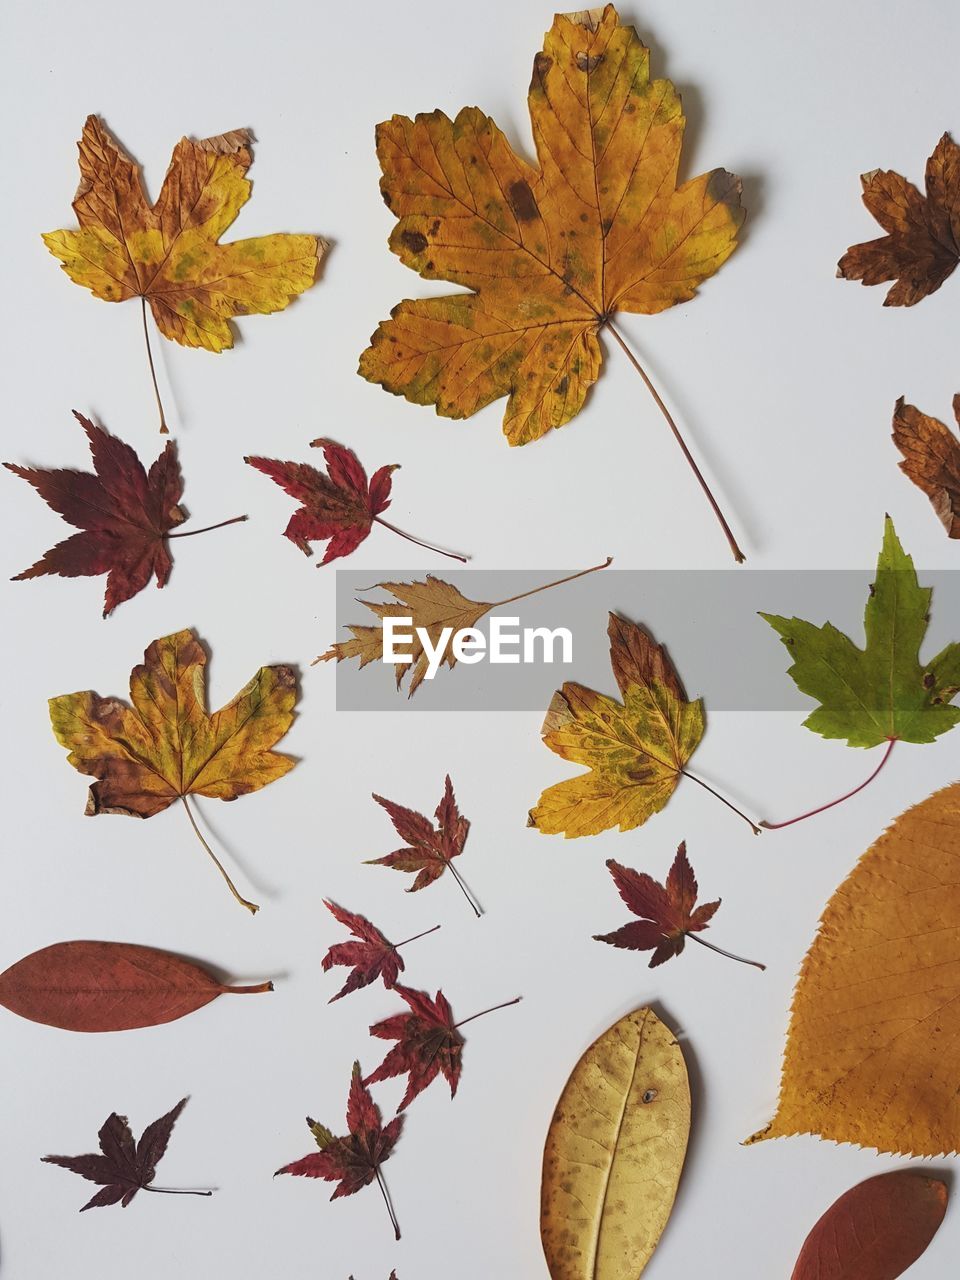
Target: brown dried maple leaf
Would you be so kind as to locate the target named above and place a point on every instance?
(372, 956)
(125, 515)
(931, 459)
(922, 244)
(668, 912)
(354, 1161)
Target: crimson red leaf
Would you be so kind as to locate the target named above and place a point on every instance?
(428, 1043)
(124, 1167)
(125, 515)
(373, 956)
(876, 1230)
(354, 1160)
(340, 505)
(668, 912)
(429, 849)
(108, 986)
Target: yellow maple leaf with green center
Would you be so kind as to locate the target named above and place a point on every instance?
(551, 253)
(636, 749)
(167, 745)
(167, 253)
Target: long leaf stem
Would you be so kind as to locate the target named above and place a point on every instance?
(812, 813)
(453, 555)
(720, 951)
(616, 334)
(188, 533)
(493, 1008)
(548, 585)
(164, 429)
(723, 800)
(251, 906)
(386, 1200)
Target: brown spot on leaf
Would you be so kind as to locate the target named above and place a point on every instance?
(589, 61)
(521, 201)
(415, 241)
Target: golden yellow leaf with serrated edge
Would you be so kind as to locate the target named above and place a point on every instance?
(167, 253)
(614, 1153)
(550, 253)
(636, 749)
(871, 1051)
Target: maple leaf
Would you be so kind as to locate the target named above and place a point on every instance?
(882, 692)
(353, 1161)
(931, 459)
(550, 254)
(668, 912)
(125, 514)
(167, 746)
(168, 253)
(438, 610)
(429, 1042)
(876, 1009)
(373, 956)
(124, 1167)
(429, 850)
(636, 749)
(341, 505)
(614, 1152)
(922, 244)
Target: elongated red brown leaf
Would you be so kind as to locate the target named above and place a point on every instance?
(876, 1230)
(108, 986)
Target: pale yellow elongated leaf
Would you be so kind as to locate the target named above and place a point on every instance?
(614, 1153)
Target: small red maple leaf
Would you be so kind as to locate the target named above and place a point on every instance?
(124, 1166)
(353, 1161)
(124, 512)
(429, 850)
(373, 956)
(429, 1042)
(341, 505)
(668, 912)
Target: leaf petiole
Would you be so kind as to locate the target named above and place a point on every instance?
(415, 938)
(483, 1012)
(615, 333)
(251, 906)
(548, 585)
(173, 1191)
(386, 1200)
(453, 555)
(723, 800)
(188, 533)
(720, 951)
(812, 813)
(164, 429)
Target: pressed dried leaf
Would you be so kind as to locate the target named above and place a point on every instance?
(876, 1230)
(876, 1014)
(109, 986)
(931, 459)
(922, 245)
(168, 253)
(614, 1153)
(636, 749)
(549, 253)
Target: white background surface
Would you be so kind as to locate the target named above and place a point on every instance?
(784, 378)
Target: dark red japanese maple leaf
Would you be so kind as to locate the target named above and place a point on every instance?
(668, 912)
(125, 1167)
(373, 956)
(429, 850)
(341, 506)
(125, 515)
(429, 1042)
(354, 1161)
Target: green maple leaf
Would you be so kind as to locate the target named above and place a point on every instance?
(882, 692)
